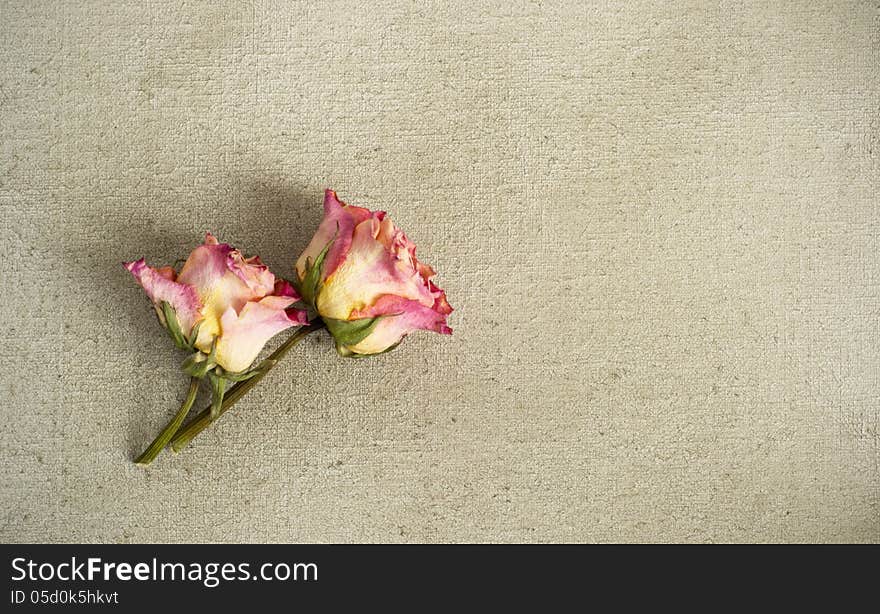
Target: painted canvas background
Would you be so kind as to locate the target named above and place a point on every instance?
(658, 223)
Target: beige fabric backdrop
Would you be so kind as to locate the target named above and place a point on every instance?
(658, 223)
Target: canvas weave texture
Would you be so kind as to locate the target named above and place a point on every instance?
(658, 223)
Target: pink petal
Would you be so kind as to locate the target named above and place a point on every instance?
(285, 288)
(277, 302)
(206, 265)
(223, 278)
(245, 333)
(299, 316)
(209, 263)
(252, 272)
(402, 317)
(380, 261)
(161, 287)
(337, 216)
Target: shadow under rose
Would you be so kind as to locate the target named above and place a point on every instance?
(277, 219)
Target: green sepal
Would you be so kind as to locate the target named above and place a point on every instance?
(347, 353)
(173, 326)
(351, 332)
(241, 375)
(198, 364)
(169, 320)
(218, 388)
(194, 334)
(310, 285)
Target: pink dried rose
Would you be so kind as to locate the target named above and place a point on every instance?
(221, 302)
(222, 306)
(361, 275)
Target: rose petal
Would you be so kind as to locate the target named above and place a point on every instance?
(245, 333)
(371, 270)
(161, 288)
(222, 278)
(285, 288)
(252, 272)
(402, 317)
(339, 221)
(206, 265)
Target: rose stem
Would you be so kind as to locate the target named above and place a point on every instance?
(203, 420)
(168, 432)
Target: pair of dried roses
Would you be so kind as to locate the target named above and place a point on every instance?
(359, 278)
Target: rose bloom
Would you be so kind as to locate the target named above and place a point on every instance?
(370, 270)
(238, 302)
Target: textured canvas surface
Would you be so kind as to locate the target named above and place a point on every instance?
(658, 224)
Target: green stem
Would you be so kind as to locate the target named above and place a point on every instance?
(168, 432)
(203, 420)
(218, 385)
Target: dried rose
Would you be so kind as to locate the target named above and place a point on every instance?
(361, 275)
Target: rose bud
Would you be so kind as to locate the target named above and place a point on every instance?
(221, 303)
(361, 275)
